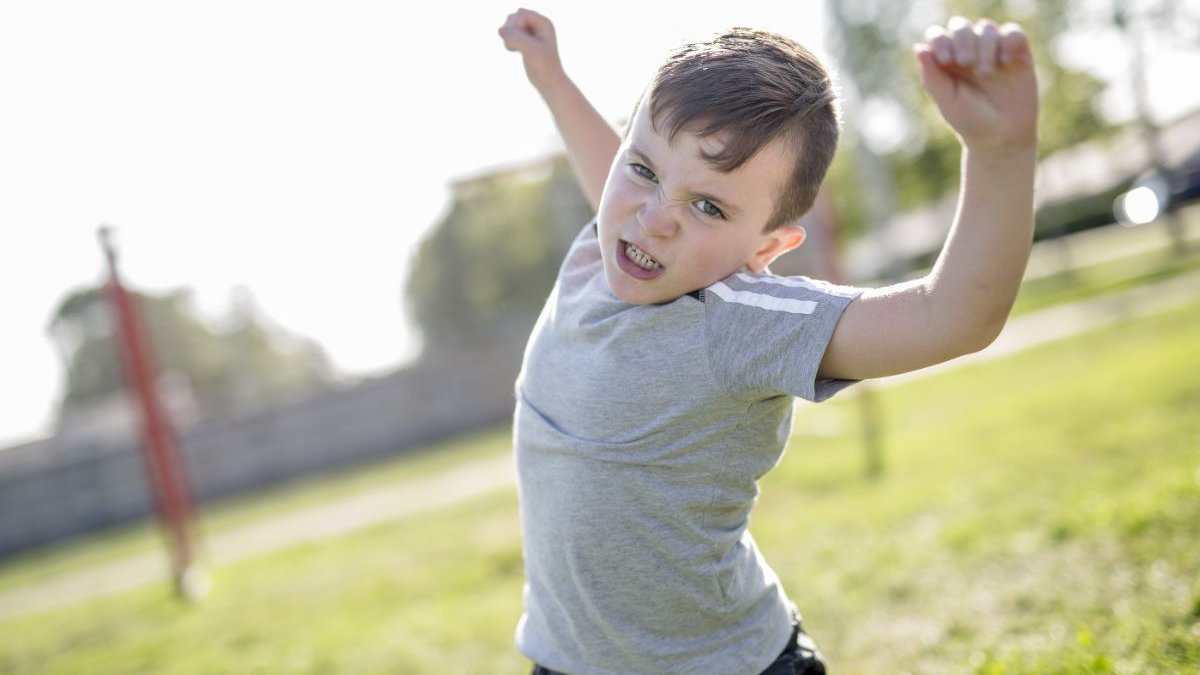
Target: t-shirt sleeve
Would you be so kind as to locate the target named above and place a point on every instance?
(767, 334)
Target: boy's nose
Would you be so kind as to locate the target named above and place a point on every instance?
(658, 218)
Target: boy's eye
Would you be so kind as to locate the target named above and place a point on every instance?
(644, 172)
(709, 209)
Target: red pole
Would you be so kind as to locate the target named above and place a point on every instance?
(164, 468)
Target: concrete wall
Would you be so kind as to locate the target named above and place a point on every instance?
(50, 490)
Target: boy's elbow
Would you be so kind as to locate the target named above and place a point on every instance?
(983, 332)
(985, 336)
(969, 332)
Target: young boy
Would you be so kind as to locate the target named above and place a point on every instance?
(656, 386)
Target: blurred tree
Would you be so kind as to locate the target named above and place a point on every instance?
(859, 32)
(485, 270)
(889, 116)
(250, 363)
(263, 362)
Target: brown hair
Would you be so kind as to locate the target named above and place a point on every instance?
(752, 86)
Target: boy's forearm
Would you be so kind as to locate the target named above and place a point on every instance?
(590, 140)
(982, 79)
(972, 286)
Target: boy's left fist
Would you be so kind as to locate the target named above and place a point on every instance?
(981, 77)
(532, 36)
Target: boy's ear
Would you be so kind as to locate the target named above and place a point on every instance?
(774, 244)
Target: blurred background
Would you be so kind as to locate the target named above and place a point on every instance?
(342, 220)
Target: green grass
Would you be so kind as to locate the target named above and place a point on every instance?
(1038, 514)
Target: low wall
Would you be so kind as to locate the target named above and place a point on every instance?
(49, 492)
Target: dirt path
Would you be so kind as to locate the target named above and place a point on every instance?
(301, 526)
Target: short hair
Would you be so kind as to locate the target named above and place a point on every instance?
(752, 86)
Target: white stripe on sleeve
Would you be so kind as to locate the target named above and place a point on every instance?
(762, 301)
(797, 282)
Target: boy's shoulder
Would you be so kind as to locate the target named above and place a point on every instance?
(767, 334)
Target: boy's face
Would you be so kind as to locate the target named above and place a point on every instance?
(670, 223)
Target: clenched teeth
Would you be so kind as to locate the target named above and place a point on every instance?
(640, 258)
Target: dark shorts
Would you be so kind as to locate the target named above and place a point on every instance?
(800, 657)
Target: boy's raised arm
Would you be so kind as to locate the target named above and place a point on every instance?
(591, 142)
(981, 77)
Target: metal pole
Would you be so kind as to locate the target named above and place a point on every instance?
(164, 468)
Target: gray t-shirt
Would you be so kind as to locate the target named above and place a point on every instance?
(640, 434)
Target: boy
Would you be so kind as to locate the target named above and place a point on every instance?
(656, 386)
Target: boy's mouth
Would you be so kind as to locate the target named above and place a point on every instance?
(636, 262)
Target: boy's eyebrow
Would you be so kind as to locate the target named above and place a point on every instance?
(725, 205)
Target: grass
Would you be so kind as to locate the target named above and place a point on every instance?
(1038, 514)
(411, 597)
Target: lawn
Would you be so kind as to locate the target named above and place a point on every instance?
(1037, 514)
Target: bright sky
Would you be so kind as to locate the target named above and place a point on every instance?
(299, 149)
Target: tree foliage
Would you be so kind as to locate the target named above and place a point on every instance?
(485, 270)
(872, 43)
(249, 362)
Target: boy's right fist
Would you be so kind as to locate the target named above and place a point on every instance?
(982, 78)
(532, 36)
